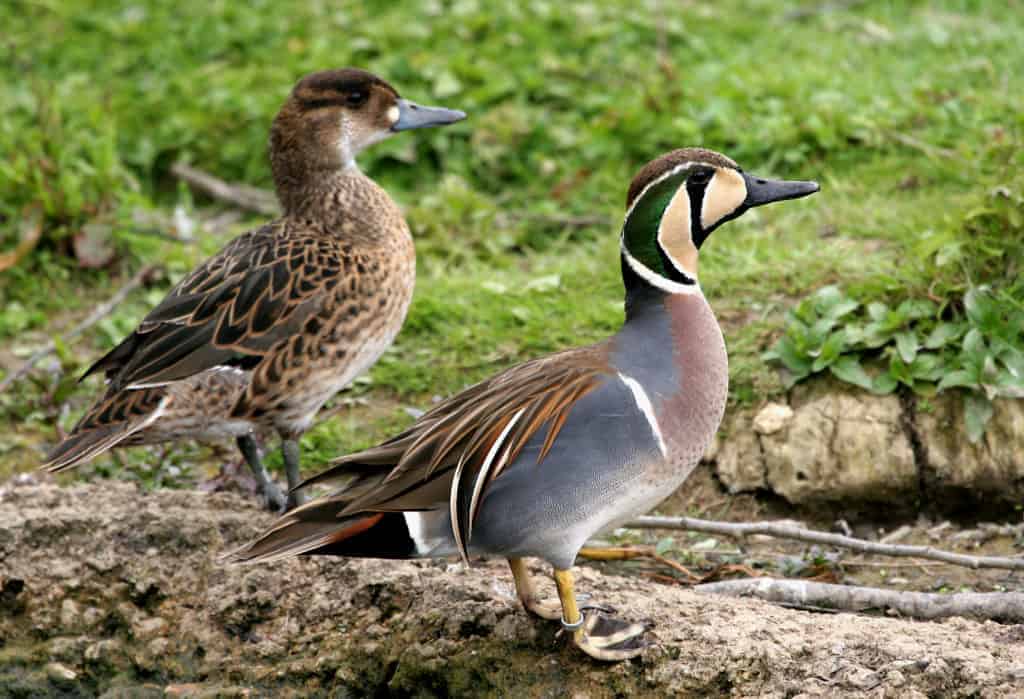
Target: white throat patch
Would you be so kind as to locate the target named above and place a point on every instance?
(345, 144)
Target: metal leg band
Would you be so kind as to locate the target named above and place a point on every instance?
(572, 627)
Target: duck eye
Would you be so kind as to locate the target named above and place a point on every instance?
(355, 98)
(700, 177)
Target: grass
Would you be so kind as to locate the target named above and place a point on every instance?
(905, 112)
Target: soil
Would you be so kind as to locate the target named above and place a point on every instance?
(108, 590)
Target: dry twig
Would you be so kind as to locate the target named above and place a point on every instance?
(625, 553)
(744, 529)
(566, 220)
(98, 313)
(243, 196)
(1000, 606)
(821, 8)
(31, 230)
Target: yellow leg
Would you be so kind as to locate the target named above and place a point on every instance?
(532, 602)
(598, 636)
(571, 615)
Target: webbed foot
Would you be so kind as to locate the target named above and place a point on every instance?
(609, 639)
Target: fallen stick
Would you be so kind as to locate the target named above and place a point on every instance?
(98, 313)
(243, 196)
(999, 606)
(561, 219)
(744, 529)
(837, 6)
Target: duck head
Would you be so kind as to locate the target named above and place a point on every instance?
(674, 204)
(332, 115)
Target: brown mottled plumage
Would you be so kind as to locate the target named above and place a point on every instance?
(262, 334)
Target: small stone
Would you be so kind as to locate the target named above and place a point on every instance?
(772, 418)
(60, 674)
(149, 628)
(69, 613)
(108, 652)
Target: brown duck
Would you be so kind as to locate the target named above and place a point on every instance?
(536, 460)
(285, 316)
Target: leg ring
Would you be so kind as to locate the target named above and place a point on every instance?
(572, 627)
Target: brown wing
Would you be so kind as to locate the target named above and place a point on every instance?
(451, 453)
(232, 310)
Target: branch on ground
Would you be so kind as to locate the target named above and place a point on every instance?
(242, 196)
(785, 531)
(100, 312)
(817, 596)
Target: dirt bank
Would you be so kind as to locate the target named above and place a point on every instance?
(107, 589)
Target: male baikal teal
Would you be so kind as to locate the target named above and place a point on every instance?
(537, 459)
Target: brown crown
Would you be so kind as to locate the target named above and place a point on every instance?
(659, 166)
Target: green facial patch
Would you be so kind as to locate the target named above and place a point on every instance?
(640, 231)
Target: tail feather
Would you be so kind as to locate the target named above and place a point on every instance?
(315, 529)
(83, 446)
(112, 420)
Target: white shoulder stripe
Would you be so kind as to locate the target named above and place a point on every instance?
(644, 403)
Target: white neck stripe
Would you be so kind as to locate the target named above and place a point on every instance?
(682, 166)
(655, 279)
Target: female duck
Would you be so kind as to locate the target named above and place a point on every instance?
(263, 333)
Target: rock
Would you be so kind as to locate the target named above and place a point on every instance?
(107, 655)
(60, 674)
(835, 444)
(772, 418)
(739, 463)
(992, 469)
(321, 626)
(840, 446)
(146, 629)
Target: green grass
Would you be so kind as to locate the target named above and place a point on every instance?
(907, 113)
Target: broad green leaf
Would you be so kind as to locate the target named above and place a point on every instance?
(916, 309)
(883, 384)
(875, 335)
(878, 311)
(900, 371)
(830, 350)
(927, 367)
(854, 334)
(791, 358)
(958, 378)
(819, 332)
(974, 303)
(974, 344)
(977, 413)
(849, 369)
(942, 334)
(907, 345)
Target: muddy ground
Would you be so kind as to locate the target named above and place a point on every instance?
(108, 590)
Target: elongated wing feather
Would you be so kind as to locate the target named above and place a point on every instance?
(472, 435)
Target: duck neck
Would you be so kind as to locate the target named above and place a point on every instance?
(668, 334)
(305, 192)
(648, 293)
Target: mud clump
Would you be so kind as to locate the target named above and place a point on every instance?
(105, 589)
